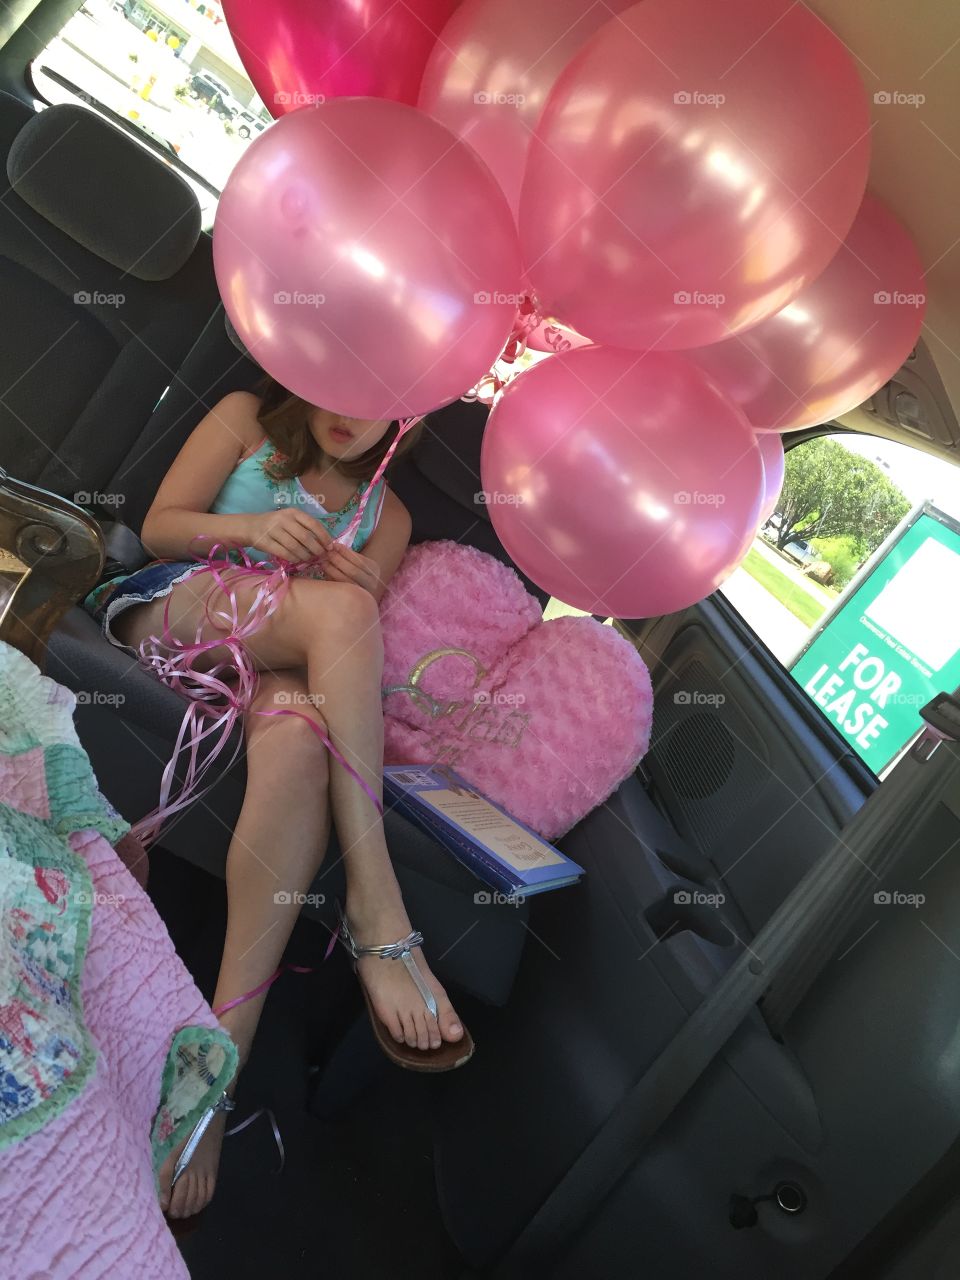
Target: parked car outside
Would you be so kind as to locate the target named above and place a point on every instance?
(248, 123)
(215, 93)
(800, 550)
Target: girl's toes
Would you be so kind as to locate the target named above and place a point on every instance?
(450, 1027)
(394, 1026)
(177, 1198)
(410, 1030)
(423, 1019)
(191, 1196)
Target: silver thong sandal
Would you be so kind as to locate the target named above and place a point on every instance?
(452, 1053)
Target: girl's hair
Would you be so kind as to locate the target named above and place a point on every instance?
(283, 417)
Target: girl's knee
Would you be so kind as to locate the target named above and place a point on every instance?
(342, 606)
(290, 737)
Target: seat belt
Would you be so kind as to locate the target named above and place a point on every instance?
(785, 957)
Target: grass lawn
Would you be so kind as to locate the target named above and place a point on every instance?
(800, 603)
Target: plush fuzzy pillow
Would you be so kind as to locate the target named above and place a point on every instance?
(547, 718)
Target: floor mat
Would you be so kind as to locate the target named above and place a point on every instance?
(356, 1197)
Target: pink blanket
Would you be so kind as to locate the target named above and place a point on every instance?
(106, 1052)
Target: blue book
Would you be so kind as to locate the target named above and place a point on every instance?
(499, 850)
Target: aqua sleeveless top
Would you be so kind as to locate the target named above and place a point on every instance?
(254, 486)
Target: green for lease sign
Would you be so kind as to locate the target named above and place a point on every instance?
(893, 643)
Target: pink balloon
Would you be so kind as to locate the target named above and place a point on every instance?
(772, 456)
(838, 341)
(299, 52)
(489, 74)
(624, 484)
(365, 257)
(696, 165)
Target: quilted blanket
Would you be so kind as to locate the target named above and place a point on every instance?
(108, 1052)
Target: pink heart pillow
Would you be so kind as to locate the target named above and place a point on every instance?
(547, 718)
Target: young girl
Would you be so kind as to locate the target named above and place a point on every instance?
(283, 478)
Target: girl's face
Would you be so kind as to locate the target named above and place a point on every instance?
(341, 437)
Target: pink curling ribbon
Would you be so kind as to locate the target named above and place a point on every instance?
(264, 986)
(528, 315)
(244, 1124)
(220, 697)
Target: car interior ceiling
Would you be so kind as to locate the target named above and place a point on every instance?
(573, 996)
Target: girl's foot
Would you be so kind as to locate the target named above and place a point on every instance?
(395, 999)
(195, 1186)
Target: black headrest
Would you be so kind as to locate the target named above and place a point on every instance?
(234, 336)
(105, 191)
(14, 114)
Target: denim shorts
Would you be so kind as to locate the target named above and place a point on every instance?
(154, 580)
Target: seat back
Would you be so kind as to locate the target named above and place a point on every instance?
(438, 481)
(105, 283)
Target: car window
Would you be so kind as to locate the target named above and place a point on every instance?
(854, 584)
(171, 71)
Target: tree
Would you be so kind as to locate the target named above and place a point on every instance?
(832, 492)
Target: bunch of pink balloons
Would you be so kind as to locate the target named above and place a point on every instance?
(681, 184)
(367, 258)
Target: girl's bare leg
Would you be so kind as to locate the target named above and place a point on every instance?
(277, 847)
(332, 629)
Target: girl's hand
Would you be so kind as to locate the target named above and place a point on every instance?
(287, 534)
(343, 564)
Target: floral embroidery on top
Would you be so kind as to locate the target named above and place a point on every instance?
(271, 469)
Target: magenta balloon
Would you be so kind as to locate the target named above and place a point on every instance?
(774, 460)
(366, 258)
(622, 483)
(695, 166)
(838, 341)
(489, 74)
(298, 52)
